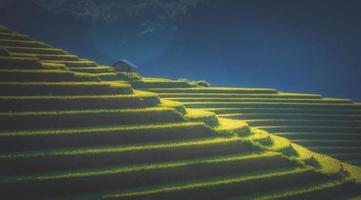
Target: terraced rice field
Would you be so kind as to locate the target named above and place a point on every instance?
(326, 125)
(72, 129)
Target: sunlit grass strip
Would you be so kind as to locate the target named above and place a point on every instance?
(98, 69)
(281, 100)
(25, 43)
(79, 63)
(122, 148)
(136, 168)
(44, 50)
(160, 84)
(304, 122)
(250, 110)
(141, 110)
(271, 105)
(253, 116)
(299, 191)
(61, 88)
(35, 71)
(48, 56)
(232, 95)
(87, 118)
(215, 90)
(114, 84)
(120, 129)
(136, 93)
(215, 182)
(311, 128)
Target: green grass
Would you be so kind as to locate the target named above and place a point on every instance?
(201, 115)
(98, 69)
(281, 100)
(48, 56)
(209, 187)
(271, 105)
(80, 63)
(230, 95)
(245, 110)
(35, 50)
(13, 36)
(159, 83)
(22, 43)
(215, 90)
(309, 116)
(304, 122)
(70, 182)
(138, 99)
(127, 169)
(111, 155)
(230, 127)
(309, 191)
(104, 130)
(328, 142)
(86, 118)
(173, 104)
(319, 135)
(63, 88)
(277, 129)
(13, 75)
(8, 62)
(123, 148)
(95, 136)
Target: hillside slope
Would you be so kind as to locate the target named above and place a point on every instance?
(326, 125)
(72, 129)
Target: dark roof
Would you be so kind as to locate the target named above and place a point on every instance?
(125, 62)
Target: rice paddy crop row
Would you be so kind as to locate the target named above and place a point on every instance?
(22, 43)
(338, 129)
(19, 63)
(309, 116)
(320, 135)
(230, 95)
(98, 69)
(80, 63)
(215, 90)
(285, 111)
(63, 88)
(35, 50)
(271, 105)
(40, 76)
(117, 177)
(272, 100)
(13, 36)
(65, 57)
(315, 190)
(52, 103)
(105, 156)
(220, 188)
(304, 122)
(73, 119)
(114, 135)
(159, 84)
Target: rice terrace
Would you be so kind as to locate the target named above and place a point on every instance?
(71, 129)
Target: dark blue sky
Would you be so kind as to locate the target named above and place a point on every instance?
(296, 46)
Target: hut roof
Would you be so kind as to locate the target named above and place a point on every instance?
(125, 62)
